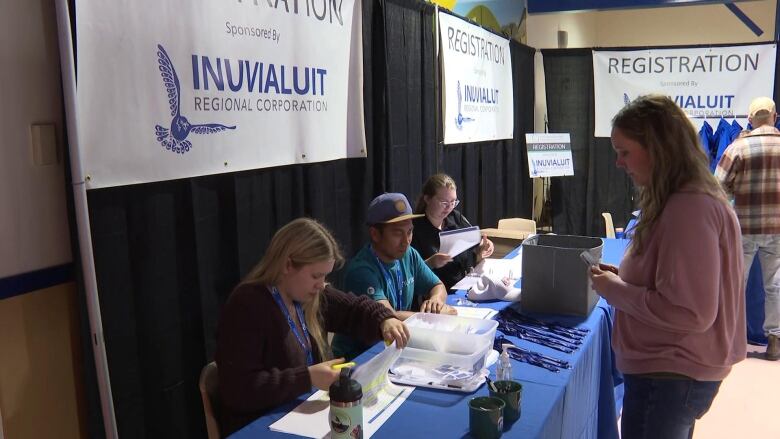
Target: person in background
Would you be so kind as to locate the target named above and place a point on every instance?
(678, 294)
(437, 202)
(389, 271)
(749, 171)
(271, 338)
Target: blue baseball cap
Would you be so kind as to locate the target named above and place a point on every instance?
(390, 208)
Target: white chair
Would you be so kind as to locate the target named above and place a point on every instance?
(209, 393)
(608, 225)
(521, 224)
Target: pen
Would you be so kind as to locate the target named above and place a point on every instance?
(342, 365)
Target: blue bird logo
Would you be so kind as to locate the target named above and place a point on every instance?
(175, 138)
(461, 118)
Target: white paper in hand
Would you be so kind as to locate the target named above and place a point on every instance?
(455, 242)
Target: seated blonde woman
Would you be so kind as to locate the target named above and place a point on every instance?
(271, 338)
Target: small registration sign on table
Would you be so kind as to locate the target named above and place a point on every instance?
(549, 154)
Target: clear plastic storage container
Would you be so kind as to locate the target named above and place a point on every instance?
(440, 339)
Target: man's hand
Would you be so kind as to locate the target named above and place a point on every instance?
(438, 260)
(432, 306)
(436, 307)
(322, 374)
(394, 330)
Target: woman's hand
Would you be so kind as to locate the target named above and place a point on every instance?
(394, 330)
(322, 374)
(486, 247)
(604, 277)
(608, 267)
(438, 260)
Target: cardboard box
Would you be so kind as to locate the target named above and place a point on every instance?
(555, 279)
(505, 240)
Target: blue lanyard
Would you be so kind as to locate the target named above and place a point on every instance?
(397, 290)
(305, 346)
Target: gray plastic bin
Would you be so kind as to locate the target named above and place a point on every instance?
(555, 278)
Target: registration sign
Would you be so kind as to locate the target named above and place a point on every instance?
(549, 154)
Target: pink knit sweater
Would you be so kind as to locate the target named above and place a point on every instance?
(681, 307)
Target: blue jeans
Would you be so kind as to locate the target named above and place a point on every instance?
(664, 407)
(768, 249)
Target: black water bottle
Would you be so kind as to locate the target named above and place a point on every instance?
(346, 408)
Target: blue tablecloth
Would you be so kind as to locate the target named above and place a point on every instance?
(576, 403)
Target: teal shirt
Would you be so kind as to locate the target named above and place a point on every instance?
(362, 275)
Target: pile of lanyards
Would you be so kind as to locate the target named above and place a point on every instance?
(553, 335)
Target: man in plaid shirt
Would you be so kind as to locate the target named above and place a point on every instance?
(750, 172)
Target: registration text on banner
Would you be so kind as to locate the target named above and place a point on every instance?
(477, 94)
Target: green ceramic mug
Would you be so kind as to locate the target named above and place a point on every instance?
(486, 417)
(511, 392)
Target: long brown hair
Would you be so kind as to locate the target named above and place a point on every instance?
(433, 184)
(663, 129)
(303, 241)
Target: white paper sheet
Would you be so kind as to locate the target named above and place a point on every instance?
(475, 312)
(381, 399)
(466, 283)
(455, 242)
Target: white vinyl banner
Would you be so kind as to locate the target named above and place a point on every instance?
(476, 82)
(182, 88)
(707, 83)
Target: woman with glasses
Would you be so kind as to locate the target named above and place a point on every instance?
(437, 201)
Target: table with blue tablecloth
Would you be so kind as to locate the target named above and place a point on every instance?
(575, 403)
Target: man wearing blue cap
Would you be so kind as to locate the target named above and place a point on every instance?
(390, 270)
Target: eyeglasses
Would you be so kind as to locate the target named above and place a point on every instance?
(446, 204)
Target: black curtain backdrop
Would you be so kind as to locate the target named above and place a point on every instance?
(168, 254)
(493, 177)
(597, 184)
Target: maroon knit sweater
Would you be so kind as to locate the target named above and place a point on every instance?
(260, 362)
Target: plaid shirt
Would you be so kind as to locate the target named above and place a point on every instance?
(750, 172)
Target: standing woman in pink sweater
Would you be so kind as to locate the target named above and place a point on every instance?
(680, 308)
